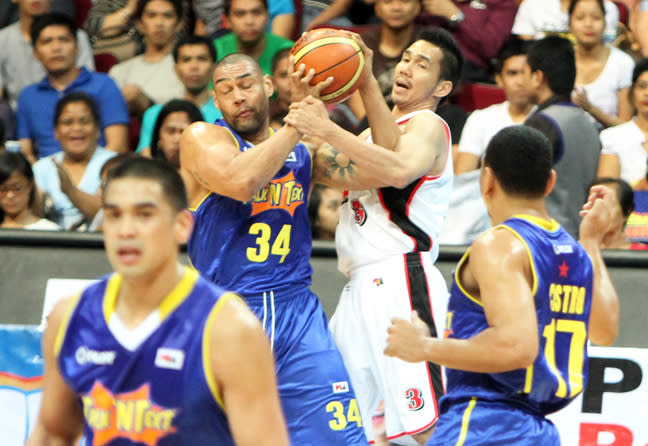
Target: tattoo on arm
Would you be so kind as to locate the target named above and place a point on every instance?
(200, 179)
(338, 164)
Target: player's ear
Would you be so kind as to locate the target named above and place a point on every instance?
(443, 89)
(486, 182)
(550, 183)
(267, 84)
(183, 226)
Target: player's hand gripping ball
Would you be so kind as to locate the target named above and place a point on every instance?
(330, 52)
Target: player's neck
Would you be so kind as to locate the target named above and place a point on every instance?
(260, 135)
(140, 296)
(404, 109)
(507, 207)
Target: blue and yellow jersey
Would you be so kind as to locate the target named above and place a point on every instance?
(261, 245)
(562, 290)
(159, 390)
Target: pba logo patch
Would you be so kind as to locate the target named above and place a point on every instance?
(128, 416)
(414, 398)
(359, 213)
(341, 387)
(169, 358)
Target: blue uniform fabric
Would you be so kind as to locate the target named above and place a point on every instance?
(261, 250)
(137, 397)
(36, 105)
(563, 280)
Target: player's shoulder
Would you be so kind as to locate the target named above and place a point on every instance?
(231, 318)
(499, 241)
(424, 120)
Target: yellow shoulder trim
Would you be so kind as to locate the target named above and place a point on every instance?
(528, 250)
(549, 225)
(202, 200)
(458, 282)
(179, 293)
(62, 331)
(207, 347)
(110, 296)
(238, 146)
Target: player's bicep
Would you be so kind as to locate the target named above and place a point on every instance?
(60, 416)
(500, 264)
(424, 146)
(243, 367)
(337, 170)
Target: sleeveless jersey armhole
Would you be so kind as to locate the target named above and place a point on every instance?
(457, 275)
(534, 277)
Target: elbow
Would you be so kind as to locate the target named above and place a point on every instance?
(524, 356)
(243, 189)
(400, 178)
(604, 337)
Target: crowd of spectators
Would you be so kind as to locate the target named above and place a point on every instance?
(82, 81)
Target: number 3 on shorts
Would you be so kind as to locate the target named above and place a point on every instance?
(340, 419)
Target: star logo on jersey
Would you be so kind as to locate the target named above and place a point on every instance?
(280, 193)
(564, 269)
(130, 416)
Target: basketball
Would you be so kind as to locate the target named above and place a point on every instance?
(330, 53)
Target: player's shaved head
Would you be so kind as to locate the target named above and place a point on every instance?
(233, 59)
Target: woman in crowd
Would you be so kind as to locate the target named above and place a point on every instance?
(17, 194)
(71, 178)
(603, 72)
(174, 117)
(324, 211)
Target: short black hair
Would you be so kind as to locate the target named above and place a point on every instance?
(228, 6)
(452, 60)
(195, 40)
(624, 192)
(573, 3)
(11, 162)
(514, 46)
(554, 56)
(77, 96)
(521, 159)
(234, 58)
(278, 57)
(174, 105)
(51, 19)
(177, 6)
(173, 187)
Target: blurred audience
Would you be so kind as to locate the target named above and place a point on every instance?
(480, 28)
(536, 19)
(574, 137)
(281, 18)
(149, 78)
(615, 237)
(640, 28)
(280, 102)
(603, 72)
(71, 178)
(321, 12)
(55, 46)
(511, 73)
(173, 118)
(113, 29)
(209, 17)
(18, 193)
(18, 65)
(624, 152)
(248, 20)
(324, 211)
(194, 58)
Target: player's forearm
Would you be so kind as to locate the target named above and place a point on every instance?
(385, 165)
(384, 130)
(488, 352)
(604, 314)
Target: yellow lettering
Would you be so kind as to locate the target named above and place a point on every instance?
(125, 410)
(98, 419)
(261, 195)
(166, 417)
(297, 195)
(555, 291)
(289, 185)
(566, 295)
(578, 301)
(151, 420)
(140, 409)
(275, 194)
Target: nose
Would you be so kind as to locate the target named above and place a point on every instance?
(126, 227)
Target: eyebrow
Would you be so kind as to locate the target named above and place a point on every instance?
(141, 205)
(422, 56)
(236, 78)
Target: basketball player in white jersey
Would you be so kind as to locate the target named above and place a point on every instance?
(398, 177)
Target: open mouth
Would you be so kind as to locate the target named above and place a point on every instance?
(128, 255)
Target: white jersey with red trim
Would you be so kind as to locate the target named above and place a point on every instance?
(379, 223)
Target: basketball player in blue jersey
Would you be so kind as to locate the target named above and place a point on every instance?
(398, 175)
(153, 354)
(525, 299)
(248, 188)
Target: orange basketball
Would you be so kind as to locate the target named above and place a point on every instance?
(331, 53)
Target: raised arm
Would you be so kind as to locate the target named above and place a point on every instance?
(60, 420)
(422, 147)
(211, 155)
(511, 340)
(243, 367)
(604, 316)
(88, 204)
